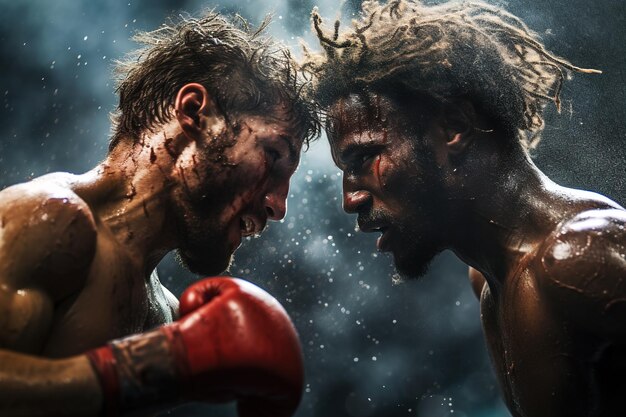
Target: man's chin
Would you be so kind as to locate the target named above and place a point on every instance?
(208, 265)
(412, 266)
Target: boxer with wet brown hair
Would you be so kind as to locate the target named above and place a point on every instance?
(431, 110)
(208, 133)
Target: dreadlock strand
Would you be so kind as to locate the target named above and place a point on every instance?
(317, 22)
(460, 48)
(362, 29)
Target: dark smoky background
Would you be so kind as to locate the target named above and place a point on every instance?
(371, 348)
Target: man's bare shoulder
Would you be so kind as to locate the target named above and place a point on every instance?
(583, 264)
(593, 238)
(45, 230)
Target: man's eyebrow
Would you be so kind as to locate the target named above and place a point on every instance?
(346, 153)
(293, 153)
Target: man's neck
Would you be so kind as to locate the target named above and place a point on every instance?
(508, 210)
(129, 195)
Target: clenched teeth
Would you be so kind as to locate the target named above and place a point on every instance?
(247, 226)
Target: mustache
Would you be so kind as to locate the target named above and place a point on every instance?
(374, 216)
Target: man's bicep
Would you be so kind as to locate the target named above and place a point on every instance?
(47, 241)
(25, 318)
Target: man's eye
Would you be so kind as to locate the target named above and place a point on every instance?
(361, 162)
(366, 158)
(273, 155)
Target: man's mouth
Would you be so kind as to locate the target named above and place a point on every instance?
(250, 226)
(382, 243)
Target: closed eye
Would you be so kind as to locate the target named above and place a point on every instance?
(362, 161)
(358, 156)
(366, 158)
(273, 155)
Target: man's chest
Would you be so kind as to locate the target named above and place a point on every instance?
(539, 361)
(115, 301)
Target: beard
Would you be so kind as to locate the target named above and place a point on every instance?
(423, 231)
(413, 251)
(206, 210)
(417, 230)
(204, 247)
(415, 264)
(412, 244)
(208, 265)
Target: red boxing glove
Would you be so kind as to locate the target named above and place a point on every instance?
(233, 341)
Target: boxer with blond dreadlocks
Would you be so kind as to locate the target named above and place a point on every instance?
(430, 112)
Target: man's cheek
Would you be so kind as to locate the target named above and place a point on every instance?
(249, 185)
(251, 177)
(396, 179)
(386, 171)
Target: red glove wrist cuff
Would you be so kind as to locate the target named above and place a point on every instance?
(136, 371)
(104, 363)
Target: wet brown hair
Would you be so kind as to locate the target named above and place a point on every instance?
(245, 71)
(468, 50)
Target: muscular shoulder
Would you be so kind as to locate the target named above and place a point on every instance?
(593, 241)
(583, 263)
(46, 230)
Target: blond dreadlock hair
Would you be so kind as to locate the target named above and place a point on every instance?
(456, 49)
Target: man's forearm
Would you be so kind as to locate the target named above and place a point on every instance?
(33, 386)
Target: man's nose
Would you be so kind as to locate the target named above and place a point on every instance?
(276, 202)
(355, 194)
(354, 200)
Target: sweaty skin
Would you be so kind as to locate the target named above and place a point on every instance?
(66, 285)
(62, 267)
(555, 325)
(78, 252)
(547, 262)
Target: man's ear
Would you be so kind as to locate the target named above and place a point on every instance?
(192, 107)
(460, 120)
